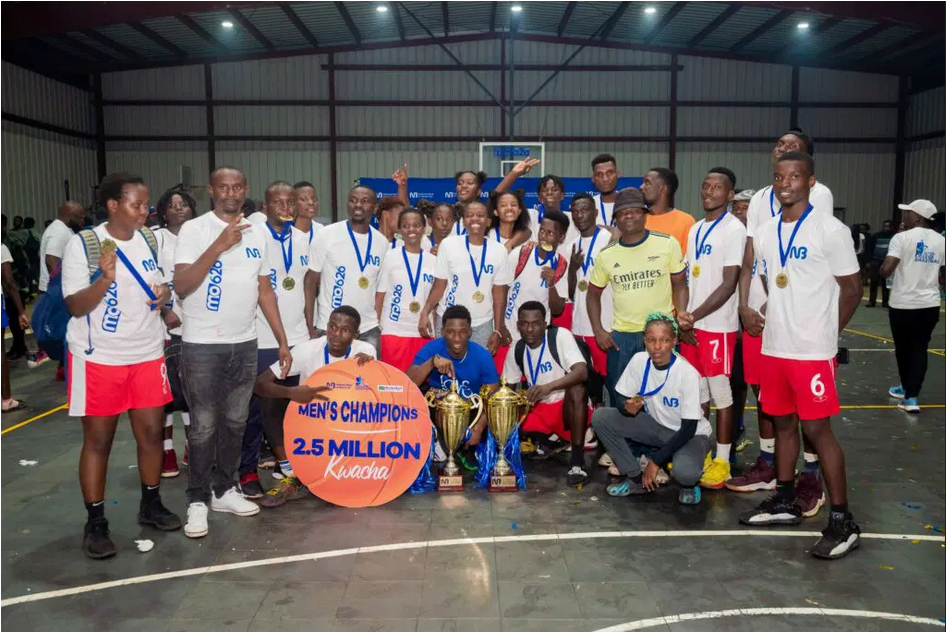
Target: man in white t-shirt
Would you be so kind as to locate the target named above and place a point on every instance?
(53, 243)
(551, 192)
(916, 261)
(709, 325)
(605, 177)
(555, 372)
(812, 274)
(345, 265)
(287, 262)
(221, 278)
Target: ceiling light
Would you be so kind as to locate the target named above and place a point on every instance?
(802, 25)
(516, 8)
(381, 8)
(227, 24)
(650, 10)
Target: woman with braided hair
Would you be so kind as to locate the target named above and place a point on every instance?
(662, 413)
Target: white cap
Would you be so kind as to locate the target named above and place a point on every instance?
(924, 208)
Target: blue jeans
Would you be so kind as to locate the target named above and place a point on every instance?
(218, 382)
(629, 344)
(253, 435)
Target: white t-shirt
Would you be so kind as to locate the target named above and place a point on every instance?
(540, 360)
(802, 318)
(535, 222)
(397, 319)
(921, 251)
(723, 246)
(757, 296)
(54, 241)
(530, 286)
(315, 229)
(459, 228)
(764, 205)
(603, 216)
(454, 265)
(122, 329)
(590, 247)
(494, 236)
(678, 399)
(257, 218)
(167, 242)
(311, 355)
(223, 308)
(291, 302)
(335, 258)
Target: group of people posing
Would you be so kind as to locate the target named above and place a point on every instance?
(221, 317)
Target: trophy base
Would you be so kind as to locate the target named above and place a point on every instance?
(450, 483)
(503, 483)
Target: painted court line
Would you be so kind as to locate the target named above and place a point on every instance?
(730, 613)
(299, 558)
(34, 419)
(936, 352)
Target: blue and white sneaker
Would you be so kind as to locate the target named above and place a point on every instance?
(689, 496)
(625, 488)
(896, 392)
(910, 405)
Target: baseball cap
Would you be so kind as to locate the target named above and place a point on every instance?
(630, 198)
(746, 194)
(924, 208)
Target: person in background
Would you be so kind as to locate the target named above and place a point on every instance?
(738, 384)
(915, 261)
(658, 187)
(10, 289)
(307, 208)
(31, 246)
(387, 212)
(509, 219)
(551, 192)
(877, 251)
(442, 217)
(741, 203)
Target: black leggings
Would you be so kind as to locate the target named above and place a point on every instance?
(911, 330)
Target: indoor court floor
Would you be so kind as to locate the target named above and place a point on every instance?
(550, 558)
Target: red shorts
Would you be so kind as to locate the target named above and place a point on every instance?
(752, 358)
(803, 387)
(546, 418)
(599, 358)
(399, 351)
(105, 390)
(713, 354)
(564, 320)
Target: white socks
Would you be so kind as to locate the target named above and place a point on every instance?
(169, 444)
(187, 418)
(723, 452)
(768, 445)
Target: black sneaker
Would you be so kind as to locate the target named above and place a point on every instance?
(577, 476)
(156, 515)
(95, 541)
(250, 486)
(838, 538)
(773, 511)
(546, 448)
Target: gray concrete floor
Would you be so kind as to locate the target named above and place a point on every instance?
(896, 473)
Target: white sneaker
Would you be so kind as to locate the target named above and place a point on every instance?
(605, 460)
(196, 525)
(662, 477)
(439, 454)
(591, 442)
(234, 503)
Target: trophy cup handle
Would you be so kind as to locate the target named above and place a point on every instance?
(477, 403)
(429, 396)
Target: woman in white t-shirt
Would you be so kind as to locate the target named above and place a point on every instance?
(116, 352)
(662, 413)
(442, 217)
(915, 262)
(403, 287)
(509, 219)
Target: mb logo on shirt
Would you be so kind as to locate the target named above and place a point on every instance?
(798, 252)
(706, 250)
(253, 253)
(671, 402)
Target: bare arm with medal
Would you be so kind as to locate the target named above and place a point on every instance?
(267, 303)
(557, 304)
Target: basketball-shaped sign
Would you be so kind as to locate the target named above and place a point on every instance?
(364, 446)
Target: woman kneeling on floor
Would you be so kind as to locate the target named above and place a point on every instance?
(662, 414)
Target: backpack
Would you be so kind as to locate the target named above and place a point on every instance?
(594, 384)
(50, 314)
(526, 253)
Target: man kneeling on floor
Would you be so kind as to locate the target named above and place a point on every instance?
(559, 402)
(662, 412)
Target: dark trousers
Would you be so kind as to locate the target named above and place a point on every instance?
(875, 280)
(911, 331)
(19, 336)
(218, 382)
(253, 435)
(629, 344)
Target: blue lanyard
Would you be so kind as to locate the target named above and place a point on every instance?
(647, 371)
(459, 228)
(784, 254)
(326, 351)
(772, 198)
(312, 232)
(358, 254)
(141, 282)
(282, 238)
(550, 258)
(601, 208)
(477, 274)
(540, 213)
(431, 239)
(413, 280)
(700, 243)
(588, 255)
(534, 373)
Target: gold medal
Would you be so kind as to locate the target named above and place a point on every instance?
(544, 246)
(363, 282)
(289, 283)
(696, 270)
(108, 246)
(414, 307)
(782, 280)
(478, 297)
(583, 285)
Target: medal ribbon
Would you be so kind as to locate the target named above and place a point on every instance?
(647, 371)
(700, 243)
(588, 255)
(282, 238)
(601, 208)
(413, 280)
(358, 253)
(772, 198)
(534, 373)
(326, 351)
(784, 254)
(540, 212)
(477, 274)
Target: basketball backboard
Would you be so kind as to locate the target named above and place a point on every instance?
(498, 158)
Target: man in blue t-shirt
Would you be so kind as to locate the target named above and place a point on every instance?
(454, 357)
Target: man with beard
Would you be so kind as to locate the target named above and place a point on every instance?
(658, 187)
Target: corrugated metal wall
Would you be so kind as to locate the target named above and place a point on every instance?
(925, 167)
(42, 99)
(160, 162)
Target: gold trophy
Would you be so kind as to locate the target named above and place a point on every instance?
(505, 410)
(452, 418)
